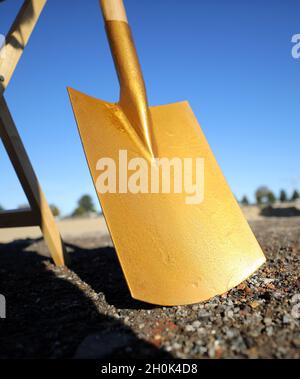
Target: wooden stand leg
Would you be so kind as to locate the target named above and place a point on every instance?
(17, 39)
(24, 170)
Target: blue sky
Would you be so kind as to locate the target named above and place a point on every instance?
(230, 59)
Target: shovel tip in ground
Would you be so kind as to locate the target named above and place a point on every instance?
(207, 295)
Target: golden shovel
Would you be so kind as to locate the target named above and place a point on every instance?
(172, 250)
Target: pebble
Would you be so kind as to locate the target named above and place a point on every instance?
(267, 321)
(269, 331)
(230, 333)
(196, 324)
(255, 333)
(229, 313)
(255, 304)
(176, 346)
(252, 353)
(203, 315)
(286, 319)
(268, 281)
(189, 328)
(296, 342)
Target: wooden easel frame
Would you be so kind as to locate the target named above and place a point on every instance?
(40, 213)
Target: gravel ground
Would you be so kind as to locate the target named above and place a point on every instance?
(86, 311)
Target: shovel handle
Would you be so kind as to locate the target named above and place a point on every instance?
(133, 96)
(113, 10)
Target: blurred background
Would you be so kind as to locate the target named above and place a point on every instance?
(231, 60)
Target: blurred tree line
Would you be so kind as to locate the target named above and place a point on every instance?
(85, 206)
(264, 196)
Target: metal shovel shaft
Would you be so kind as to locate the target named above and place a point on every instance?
(133, 96)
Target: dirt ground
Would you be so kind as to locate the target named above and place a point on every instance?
(85, 311)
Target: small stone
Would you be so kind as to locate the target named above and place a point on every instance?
(255, 304)
(230, 313)
(296, 311)
(202, 349)
(286, 319)
(267, 321)
(268, 281)
(271, 286)
(296, 342)
(295, 298)
(230, 334)
(218, 352)
(211, 352)
(269, 331)
(252, 353)
(239, 343)
(255, 333)
(189, 328)
(176, 346)
(202, 331)
(196, 324)
(203, 315)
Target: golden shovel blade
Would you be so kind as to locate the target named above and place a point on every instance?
(171, 252)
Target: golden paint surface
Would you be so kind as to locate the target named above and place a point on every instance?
(133, 97)
(171, 253)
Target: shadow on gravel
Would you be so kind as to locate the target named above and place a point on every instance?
(49, 317)
(101, 269)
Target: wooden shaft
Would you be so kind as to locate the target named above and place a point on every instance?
(18, 218)
(113, 10)
(17, 38)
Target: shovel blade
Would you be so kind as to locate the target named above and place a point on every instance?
(171, 252)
